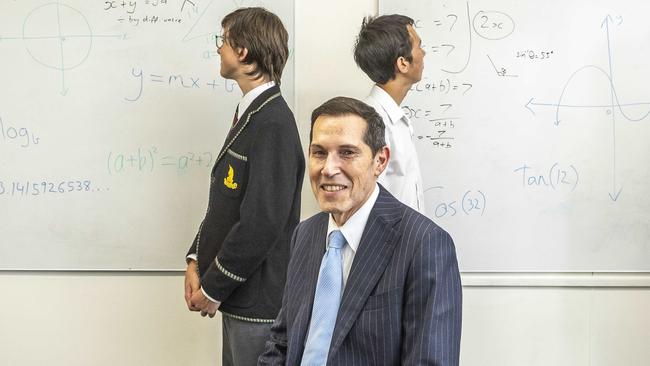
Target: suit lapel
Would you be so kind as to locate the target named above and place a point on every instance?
(314, 249)
(373, 255)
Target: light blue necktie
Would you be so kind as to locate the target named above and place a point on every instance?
(326, 304)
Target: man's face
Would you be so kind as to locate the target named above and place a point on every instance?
(229, 58)
(342, 169)
(417, 65)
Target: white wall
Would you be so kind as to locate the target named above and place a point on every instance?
(101, 319)
(558, 319)
(140, 318)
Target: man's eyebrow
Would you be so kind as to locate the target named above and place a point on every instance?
(347, 146)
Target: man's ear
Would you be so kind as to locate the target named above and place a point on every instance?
(242, 53)
(402, 65)
(381, 160)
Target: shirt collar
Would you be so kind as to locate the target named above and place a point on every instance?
(394, 112)
(353, 228)
(249, 97)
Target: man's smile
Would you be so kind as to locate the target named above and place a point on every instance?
(332, 187)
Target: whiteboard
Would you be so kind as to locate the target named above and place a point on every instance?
(111, 116)
(532, 122)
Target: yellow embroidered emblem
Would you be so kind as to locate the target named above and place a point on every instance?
(229, 180)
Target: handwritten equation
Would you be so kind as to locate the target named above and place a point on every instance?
(534, 54)
(178, 81)
(143, 12)
(443, 86)
(148, 160)
(439, 130)
(462, 27)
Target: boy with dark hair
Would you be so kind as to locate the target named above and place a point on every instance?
(238, 259)
(388, 50)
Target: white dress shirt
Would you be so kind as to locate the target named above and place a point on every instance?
(352, 231)
(402, 176)
(249, 97)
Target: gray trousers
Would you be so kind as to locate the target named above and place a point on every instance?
(243, 342)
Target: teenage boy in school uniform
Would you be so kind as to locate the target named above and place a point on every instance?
(238, 259)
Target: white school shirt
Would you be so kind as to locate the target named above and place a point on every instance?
(352, 231)
(249, 97)
(402, 177)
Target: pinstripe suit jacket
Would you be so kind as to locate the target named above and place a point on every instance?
(402, 301)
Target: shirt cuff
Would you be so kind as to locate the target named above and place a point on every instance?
(191, 257)
(208, 296)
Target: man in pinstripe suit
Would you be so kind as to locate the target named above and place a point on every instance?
(398, 296)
